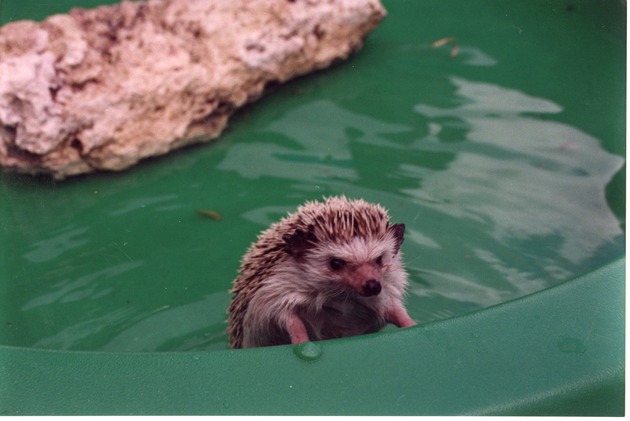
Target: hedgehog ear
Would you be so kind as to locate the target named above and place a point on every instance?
(299, 242)
(398, 231)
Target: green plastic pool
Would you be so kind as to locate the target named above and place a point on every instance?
(502, 150)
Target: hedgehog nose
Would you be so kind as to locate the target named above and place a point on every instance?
(371, 287)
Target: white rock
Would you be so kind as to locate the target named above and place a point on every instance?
(101, 89)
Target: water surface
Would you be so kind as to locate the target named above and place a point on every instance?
(509, 177)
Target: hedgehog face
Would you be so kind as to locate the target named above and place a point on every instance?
(360, 265)
(364, 266)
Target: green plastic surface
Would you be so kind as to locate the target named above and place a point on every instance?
(503, 156)
(556, 352)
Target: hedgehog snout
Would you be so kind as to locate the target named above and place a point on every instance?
(371, 288)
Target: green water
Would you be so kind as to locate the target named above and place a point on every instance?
(506, 163)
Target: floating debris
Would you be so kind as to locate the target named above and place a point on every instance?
(210, 214)
(442, 41)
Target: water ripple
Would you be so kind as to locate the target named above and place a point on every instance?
(81, 288)
(554, 184)
(55, 246)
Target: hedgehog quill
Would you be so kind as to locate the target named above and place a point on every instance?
(329, 270)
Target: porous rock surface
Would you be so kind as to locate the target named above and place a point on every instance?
(103, 88)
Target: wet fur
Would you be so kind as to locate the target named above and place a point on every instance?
(287, 292)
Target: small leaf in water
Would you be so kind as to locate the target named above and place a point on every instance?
(210, 214)
(442, 41)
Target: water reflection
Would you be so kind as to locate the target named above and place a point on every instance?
(181, 328)
(83, 288)
(501, 197)
(71, 336)
(539, 178)
(458, 288)
(59, 243)
(142, 202)
(267, 215)
(312, 142)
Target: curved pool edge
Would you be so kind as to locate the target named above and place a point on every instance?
(556, 352)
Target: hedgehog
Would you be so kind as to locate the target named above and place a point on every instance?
(329, 270)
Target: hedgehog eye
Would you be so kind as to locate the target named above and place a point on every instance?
(336, 264)
(379, 260)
